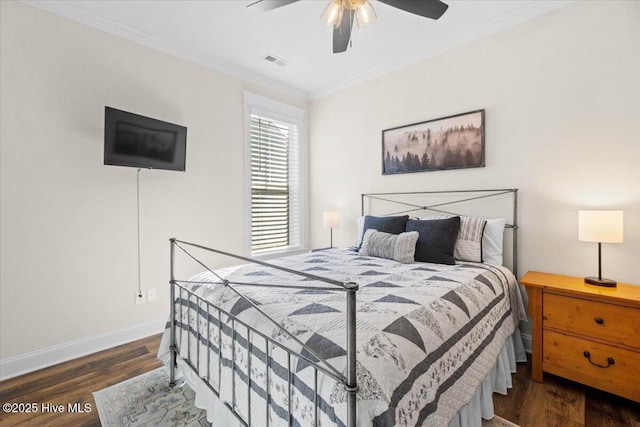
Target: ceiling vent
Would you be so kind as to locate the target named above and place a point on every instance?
(275, 60)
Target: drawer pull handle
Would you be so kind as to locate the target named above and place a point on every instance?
(610, 360)
(599, 320)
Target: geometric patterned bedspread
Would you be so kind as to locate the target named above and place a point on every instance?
(427, 335)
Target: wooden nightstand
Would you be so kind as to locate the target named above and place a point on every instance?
(585, 333)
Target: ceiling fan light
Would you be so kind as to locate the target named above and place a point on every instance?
(365, 14)
(332, 14)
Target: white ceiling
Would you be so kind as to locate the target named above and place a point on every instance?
(228, 36)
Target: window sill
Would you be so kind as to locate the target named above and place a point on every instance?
(278, 253)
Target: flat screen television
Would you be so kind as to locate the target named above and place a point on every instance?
(142, 142)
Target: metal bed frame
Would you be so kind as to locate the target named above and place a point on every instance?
(188, 298)
(436, 207)
(348, 381)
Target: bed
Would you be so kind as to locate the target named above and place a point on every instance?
(335, 337)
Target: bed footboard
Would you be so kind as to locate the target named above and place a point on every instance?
(263, 364)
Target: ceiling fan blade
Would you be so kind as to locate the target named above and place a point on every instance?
(433, 9)
(265, 5)
(342, 34)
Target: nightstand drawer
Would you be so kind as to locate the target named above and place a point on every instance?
(614, 323)
(599, 365)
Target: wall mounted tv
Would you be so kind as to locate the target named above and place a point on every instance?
(142, 142)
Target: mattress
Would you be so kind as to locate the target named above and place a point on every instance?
(428, 336)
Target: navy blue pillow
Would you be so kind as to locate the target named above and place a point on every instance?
(437, 238)
(386, 224)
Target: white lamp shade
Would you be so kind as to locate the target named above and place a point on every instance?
(600, 226)
(331, 219)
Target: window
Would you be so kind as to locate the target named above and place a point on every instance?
(274, 175)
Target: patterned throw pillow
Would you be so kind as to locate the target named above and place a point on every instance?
(469, 240)
(399, 247)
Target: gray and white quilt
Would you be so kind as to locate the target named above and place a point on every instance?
(427, 335)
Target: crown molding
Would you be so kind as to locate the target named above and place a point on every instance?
(521, 14)
(68, 10)
(527, 11)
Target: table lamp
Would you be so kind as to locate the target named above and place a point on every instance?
(331, 220)
(600, 227)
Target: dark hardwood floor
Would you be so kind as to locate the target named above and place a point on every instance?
(74, 381)
(554, 403)
(562, 403)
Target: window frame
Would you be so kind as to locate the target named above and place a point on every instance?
(293, 116)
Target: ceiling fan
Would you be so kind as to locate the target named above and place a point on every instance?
(340, 14)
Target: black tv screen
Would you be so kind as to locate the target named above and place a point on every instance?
(142, 142)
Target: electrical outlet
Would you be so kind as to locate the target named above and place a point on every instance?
(140, 298)
(151, 295)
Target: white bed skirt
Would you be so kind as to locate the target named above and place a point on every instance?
(498, 380)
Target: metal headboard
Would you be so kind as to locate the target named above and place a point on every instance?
(464, 196)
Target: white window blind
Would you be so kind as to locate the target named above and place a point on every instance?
(275, 181)
(270, 198)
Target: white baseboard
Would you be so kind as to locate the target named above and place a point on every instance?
(29, 362)
(526, 340)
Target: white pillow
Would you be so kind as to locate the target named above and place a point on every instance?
(360, 222)
(492, 241)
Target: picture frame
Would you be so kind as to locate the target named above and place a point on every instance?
(452, 142)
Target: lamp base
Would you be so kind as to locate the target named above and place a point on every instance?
(600, 282)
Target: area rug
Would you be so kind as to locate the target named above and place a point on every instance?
(147, 400)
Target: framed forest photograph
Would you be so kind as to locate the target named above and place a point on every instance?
(453, 142)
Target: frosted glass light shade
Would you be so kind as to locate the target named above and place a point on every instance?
(600, 226)
(331, 219)
(332, 14)
(365, 14)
